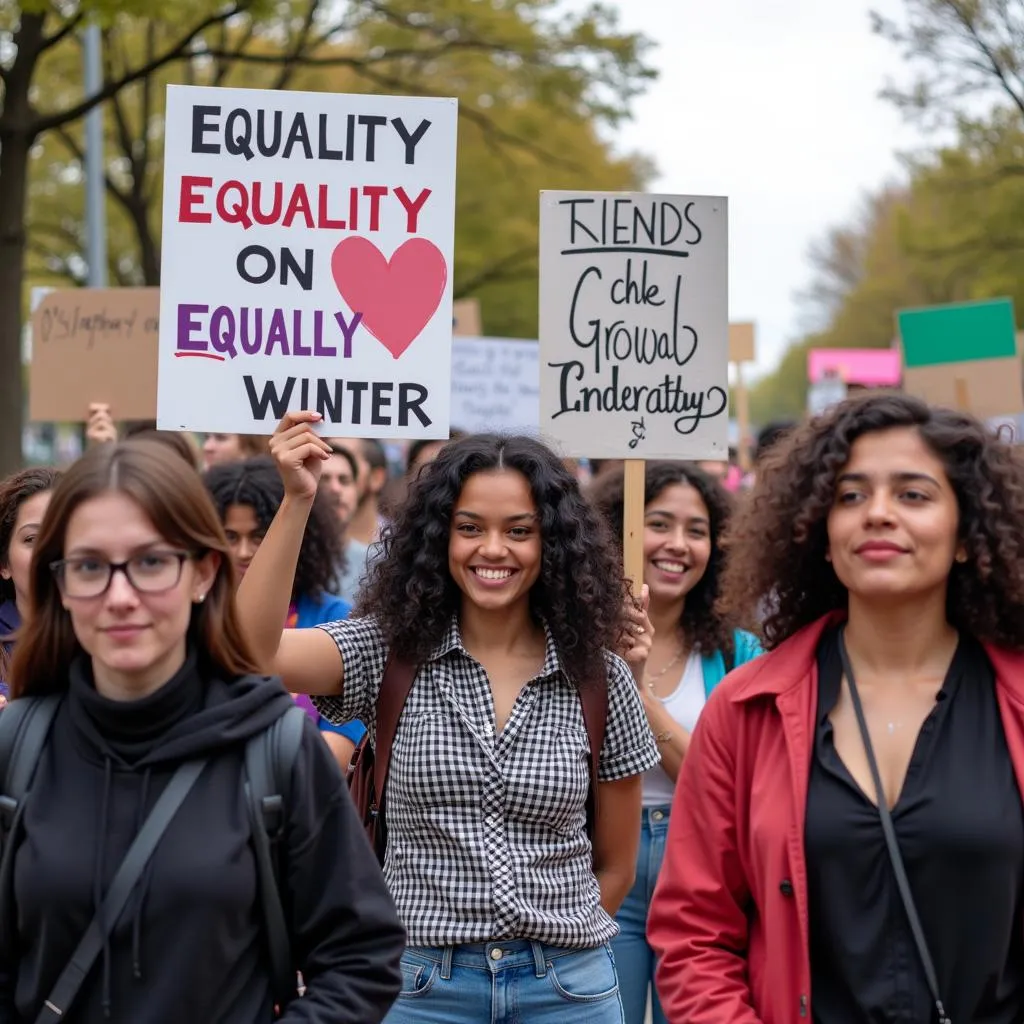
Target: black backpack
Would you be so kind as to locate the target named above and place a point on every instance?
(269, 758)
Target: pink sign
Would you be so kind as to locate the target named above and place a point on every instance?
(869, 367)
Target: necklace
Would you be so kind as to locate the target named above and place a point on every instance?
(657, 675)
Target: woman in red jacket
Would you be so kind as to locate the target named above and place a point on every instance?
(885, 542)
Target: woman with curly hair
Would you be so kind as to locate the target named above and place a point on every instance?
(247, 494)
(847, 838)
(497, 581)
(685, 513)
(24, 498)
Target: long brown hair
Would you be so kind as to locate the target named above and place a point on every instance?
(174, 499)
(14, 492)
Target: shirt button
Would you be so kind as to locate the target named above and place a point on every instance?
(496, 954)
(786, 887)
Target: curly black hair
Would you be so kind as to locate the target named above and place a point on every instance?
(256, 482)
(778, 538)
(15, 490)
(703, 624)
(578, 595)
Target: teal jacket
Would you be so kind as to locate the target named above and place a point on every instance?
(747, 649)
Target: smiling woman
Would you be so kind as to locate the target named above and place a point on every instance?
(885, 728)
(498, 589)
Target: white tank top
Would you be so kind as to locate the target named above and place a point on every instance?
(684, 704)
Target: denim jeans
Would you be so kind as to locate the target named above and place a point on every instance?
(633, 956)
(515, 982)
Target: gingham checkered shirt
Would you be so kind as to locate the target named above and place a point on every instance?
(487, 833)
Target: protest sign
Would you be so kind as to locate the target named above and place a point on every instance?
(963, 355)
(868, 367)
(94, 345)
(634, 325)
(466, 322)
(307, 261)
(495, 385)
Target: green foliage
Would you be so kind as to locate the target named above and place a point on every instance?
(955, 230)
(536, 91)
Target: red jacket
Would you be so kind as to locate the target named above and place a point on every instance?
(729, 915)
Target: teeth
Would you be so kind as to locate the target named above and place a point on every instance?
(671, 566)
(493, 574)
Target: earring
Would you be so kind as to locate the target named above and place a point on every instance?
(200, 599)
(961, 557)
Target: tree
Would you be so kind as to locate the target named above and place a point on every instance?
(521, 70)
(29, 37)
(960, 50)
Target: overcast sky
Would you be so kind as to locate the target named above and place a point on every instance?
(776, 106)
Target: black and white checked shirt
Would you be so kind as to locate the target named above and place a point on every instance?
(487, 833)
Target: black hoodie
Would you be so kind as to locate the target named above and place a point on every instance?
(189, 947)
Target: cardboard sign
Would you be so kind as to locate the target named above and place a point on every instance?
(963, 355)
(307, 261)
(466, 322)
(869, 367)
(94, 345)
(634, 325)
(741, 343)
(495, 385)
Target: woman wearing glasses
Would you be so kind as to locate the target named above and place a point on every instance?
(133, 623)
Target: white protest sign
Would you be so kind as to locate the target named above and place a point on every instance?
(495, 385)
(307, 261)
(634, 325)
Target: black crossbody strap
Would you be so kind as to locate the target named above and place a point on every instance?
(128, 874)
(269, 759)
(902, 882)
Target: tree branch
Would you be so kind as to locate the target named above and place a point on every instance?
(65, 30)
(289, 68)
(177, 50)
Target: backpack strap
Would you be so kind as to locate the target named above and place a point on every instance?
(270, 756)
(24, 728)
(395, 687)
(594, 702)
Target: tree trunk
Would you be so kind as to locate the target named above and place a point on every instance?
(16, 137)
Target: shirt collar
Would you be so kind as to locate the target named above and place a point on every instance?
(452, 641)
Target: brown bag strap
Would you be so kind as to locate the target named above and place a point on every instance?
(594, 701)
(395, 687)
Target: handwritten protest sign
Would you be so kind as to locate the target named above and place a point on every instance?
(94, 345)
(634, 326)
(495, 385)
(307, 261)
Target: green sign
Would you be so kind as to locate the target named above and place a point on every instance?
(958, 333)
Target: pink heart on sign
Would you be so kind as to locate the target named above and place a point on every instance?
(397, 297)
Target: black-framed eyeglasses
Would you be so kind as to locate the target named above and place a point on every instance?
(153, 572)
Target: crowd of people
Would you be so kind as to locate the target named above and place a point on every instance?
(736, 793)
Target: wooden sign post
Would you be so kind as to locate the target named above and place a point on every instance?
(634, 335)
(742, 350)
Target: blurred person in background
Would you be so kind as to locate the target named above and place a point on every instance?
(339, 486)
(247, 495)
(372, 461)
(24, 498)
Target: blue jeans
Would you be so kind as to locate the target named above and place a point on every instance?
(633, 956)
(514, 982)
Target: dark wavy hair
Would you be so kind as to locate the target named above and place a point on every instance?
(171, 495)
(705, 626)
(257, 483)
(778, 539)
(14, 492)
(578, 594)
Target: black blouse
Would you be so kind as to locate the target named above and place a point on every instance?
(959, 822)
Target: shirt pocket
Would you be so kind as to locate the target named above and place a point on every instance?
(433, 763)
(549, 786)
